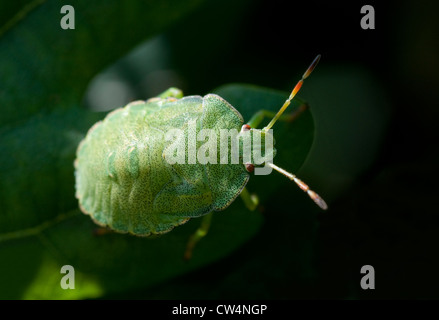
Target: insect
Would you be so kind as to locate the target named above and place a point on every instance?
(125, 181)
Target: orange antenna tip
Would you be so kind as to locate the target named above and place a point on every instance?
(296, 89)
(293, 93)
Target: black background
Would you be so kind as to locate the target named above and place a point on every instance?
(388, 217)
(389, 222)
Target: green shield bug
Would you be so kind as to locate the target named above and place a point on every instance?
(136, 174)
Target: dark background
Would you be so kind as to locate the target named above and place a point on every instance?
(373, 98)
(387, 216)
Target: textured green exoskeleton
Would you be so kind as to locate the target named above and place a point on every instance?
(125, 181)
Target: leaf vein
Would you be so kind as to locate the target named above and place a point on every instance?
(32, 231)
(20, 15)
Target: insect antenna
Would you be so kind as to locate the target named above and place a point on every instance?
(293, 93)
(302, 185)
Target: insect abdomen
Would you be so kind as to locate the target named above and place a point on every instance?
(124, 182)
(119, 173)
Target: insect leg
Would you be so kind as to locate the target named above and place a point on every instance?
(100, 231)
(251, 201)
(198, 235)
(259, 116)
(171, 93)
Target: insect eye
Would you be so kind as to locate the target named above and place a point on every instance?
(249, 167)
(245, 127)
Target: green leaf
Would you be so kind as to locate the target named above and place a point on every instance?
(115, 263)
(39, 59)
(44, 72)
